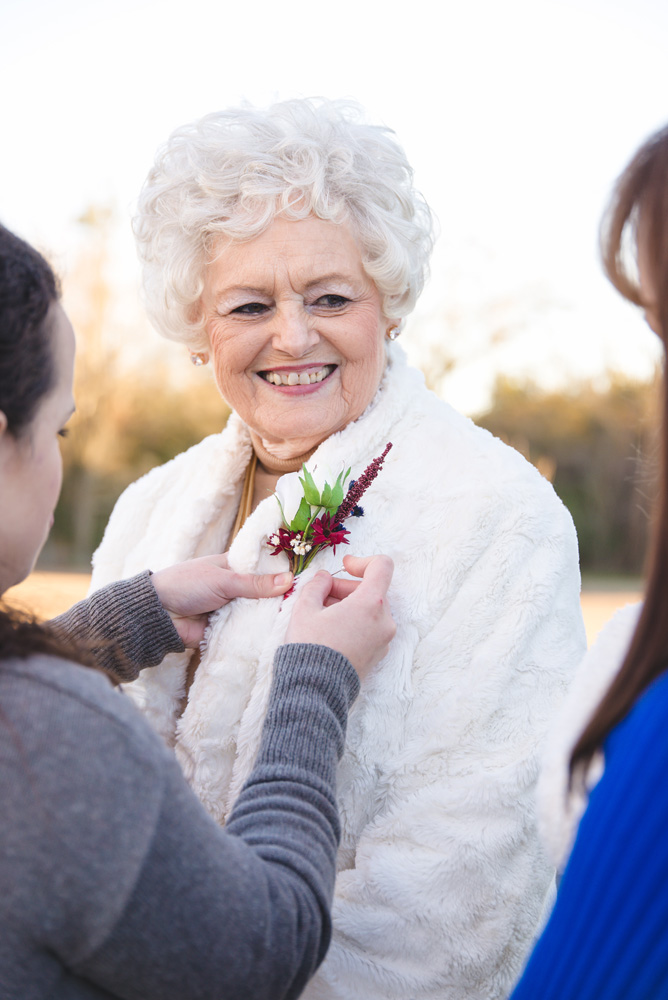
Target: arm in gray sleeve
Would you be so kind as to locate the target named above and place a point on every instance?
(241, 912)
(125, 626)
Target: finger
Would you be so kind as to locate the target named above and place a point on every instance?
(340, 590)
(314, 593)
(256, 586)
(191, 630)
(355, 565)
(221, 561)
(376, 571)
(343, 588)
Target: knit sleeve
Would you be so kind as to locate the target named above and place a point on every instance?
(607, 938)
(125, 625)
(242, 912)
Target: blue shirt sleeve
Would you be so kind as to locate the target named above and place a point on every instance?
(607, 938)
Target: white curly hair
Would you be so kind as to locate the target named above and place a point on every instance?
(232, 172)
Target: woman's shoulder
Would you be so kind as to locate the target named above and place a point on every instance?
(193, 466)
(77, 743)
(83, 780)
(451, 444)
(156, 518)
(44, 693)
(643, 733)
(447, 459)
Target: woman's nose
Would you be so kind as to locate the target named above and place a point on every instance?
(294, 332)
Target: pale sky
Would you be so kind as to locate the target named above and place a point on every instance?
(516, 115)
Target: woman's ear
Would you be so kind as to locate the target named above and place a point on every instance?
(3, 423)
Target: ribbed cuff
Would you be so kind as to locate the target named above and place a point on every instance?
(125, 625)
(137, 620)
(313, 690)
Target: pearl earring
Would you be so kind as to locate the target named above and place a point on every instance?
(199, 359)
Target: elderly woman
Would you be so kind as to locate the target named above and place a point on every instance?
(287, 246)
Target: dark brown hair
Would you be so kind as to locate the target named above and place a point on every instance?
(639, 201)
(28, 289)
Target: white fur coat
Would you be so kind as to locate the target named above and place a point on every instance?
(560, 809)
(441, 878)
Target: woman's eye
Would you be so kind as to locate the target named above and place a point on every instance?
(63, 432)
(332, 301)
(251, 308)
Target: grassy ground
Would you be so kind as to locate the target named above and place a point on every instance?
(600, 605)
(47, 594)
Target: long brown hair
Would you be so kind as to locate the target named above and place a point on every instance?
(640, 199)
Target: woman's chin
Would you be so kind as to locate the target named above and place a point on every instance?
(9, 579)
(295, 426)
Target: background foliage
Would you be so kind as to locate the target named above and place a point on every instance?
(139, 403)
(597, 446)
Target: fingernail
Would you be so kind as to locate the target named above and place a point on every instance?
(282, 579)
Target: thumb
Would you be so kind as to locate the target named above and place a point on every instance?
(252, 585)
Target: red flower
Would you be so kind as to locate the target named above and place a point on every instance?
(280, 540)
(326, 533)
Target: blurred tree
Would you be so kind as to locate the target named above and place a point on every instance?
(596, 443)
(142, 424)
(131, 416)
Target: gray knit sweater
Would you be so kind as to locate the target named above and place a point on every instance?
(114, 882)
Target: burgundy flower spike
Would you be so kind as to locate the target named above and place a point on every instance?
(318, 523)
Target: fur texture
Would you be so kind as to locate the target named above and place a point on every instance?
(441, 878)
(560, 809)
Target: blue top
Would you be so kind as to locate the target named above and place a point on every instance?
(607, 937)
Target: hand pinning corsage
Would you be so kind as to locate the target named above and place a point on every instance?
(318, 523)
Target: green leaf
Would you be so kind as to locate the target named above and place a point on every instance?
(302, 517)
(310, 489)
(337, 495)
(283, 517)
(326, 498)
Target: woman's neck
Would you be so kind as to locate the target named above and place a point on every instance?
(273, 463)
(270, 469)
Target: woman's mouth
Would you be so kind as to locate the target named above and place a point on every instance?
(287, 376)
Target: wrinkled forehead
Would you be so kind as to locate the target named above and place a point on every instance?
(302, 250)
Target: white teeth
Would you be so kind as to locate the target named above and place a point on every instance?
(299, 378)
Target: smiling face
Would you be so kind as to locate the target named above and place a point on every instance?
(296, 332)
(31, 466)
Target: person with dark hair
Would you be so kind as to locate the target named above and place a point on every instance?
(114, 881)
(602, 795)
